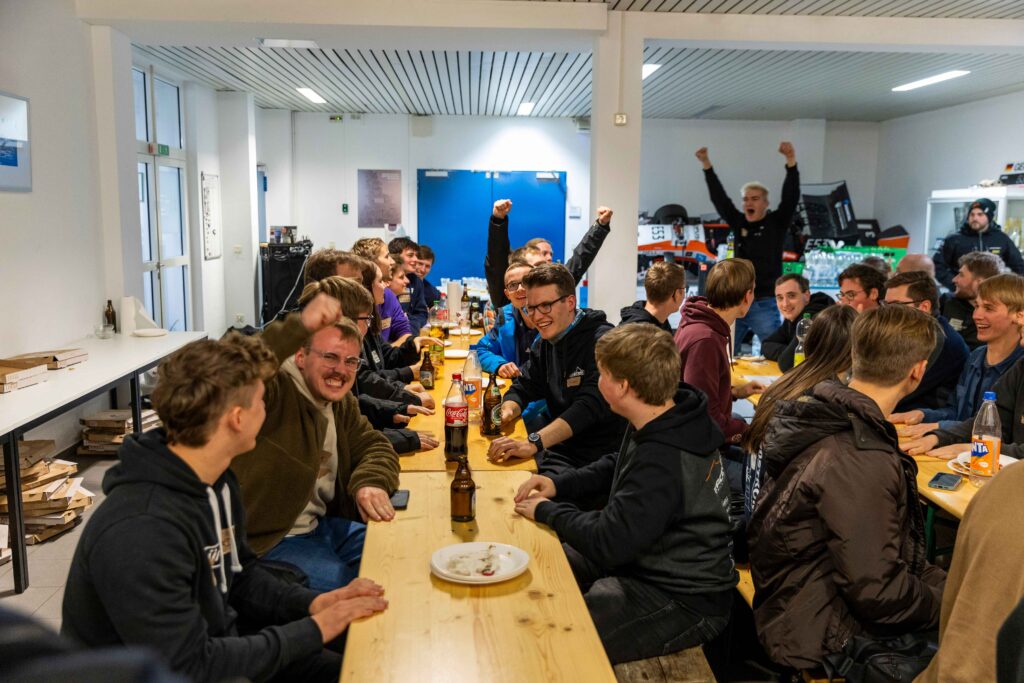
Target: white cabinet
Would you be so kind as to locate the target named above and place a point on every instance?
(947, 210)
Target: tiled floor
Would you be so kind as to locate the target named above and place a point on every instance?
(48, 562)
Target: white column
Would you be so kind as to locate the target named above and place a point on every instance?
(116, 156)
(236, 132)
(615, 160)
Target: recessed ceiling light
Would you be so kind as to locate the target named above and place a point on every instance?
(285, 42)
(525, 109)
(649, 69)
(930, 80)
(312, 95)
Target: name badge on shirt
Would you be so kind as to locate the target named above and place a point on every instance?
(404, 297)
(385, 323)
(575, 378)
(376, 358)
(225, 542)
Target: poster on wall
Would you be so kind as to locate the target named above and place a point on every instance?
(212, 240)
(15, 152)
(380, 198)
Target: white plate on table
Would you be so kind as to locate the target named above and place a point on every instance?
(961, 464)
(456, 353)
(475, 333)
(447, 342)
(751, 359)
(150, 332)
(465, 562)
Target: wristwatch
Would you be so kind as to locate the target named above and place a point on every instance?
(534, 439)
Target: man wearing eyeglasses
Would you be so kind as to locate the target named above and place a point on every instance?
(560, 370)
(862, 287)
(919, 290)
(318, 466)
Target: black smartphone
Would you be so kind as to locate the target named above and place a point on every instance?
(400, 499)
(946, 481)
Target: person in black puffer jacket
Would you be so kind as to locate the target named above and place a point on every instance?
(979, 232)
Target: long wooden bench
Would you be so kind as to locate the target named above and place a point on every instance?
(746, 584)
(687, 666)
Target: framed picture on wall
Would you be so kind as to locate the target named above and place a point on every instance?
(380, 198)
(15, 152)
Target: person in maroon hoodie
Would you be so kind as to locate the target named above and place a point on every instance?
(703, 340)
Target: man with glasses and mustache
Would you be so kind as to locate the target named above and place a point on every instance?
(560, 370)
(318, 466)
(918, 290)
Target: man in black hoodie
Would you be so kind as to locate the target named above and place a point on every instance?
(655, 563)
(979, 232)
(561, 370)
(164, 561)
(794, 299)
(665, 285)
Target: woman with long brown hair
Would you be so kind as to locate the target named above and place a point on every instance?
(828, 349)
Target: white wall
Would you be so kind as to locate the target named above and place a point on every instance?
(945, 149)
(328, 155)
(51, 258)
(748, 150)
(851, 154)
(274, 150)
(203, 144)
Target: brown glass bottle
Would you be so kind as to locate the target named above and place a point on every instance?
(427, 371)
(490, 415)
(463, 493)
(109, 316)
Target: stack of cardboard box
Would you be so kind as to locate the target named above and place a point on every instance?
(18, 374)
(53, 499)
(105, 431)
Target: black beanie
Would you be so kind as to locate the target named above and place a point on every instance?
(986, 205)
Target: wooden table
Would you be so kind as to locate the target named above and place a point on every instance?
(953, 502)
(433, 460)
(111, 362)
(535, 627)
(745, 370)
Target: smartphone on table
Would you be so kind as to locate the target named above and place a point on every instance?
(400, 499)
(946, 481)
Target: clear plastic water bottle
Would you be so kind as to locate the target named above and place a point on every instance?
(802, 328)
(986, 441)
(755, 346)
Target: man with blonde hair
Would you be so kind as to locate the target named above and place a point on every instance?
(758, 235)
(654, 563)
(999, 316)
(665, 285)
(837, 546)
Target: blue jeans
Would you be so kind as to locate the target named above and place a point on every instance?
(763, 318)
(329, 554)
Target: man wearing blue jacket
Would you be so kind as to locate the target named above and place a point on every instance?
(999, 316)
(164, 562)
(655, 563)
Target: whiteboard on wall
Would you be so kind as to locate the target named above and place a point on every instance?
(212, 241)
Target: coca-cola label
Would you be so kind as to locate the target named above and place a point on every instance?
(456, 416)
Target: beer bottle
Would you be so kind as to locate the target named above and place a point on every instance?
(427, 371)
(109, 317)
(463, 493)
(456, 421)
(490, 415)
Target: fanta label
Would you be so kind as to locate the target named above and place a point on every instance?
(471, 388)
(985, 455)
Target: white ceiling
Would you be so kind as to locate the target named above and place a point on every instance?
(953, 9)
(693, 82)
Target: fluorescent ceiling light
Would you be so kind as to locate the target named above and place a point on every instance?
(649, 69)
(930, 80)
(312, 95)
(525, 109)
(285, 42)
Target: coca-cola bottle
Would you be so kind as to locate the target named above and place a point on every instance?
(456, 421)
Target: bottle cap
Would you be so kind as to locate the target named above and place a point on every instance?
(988, 396)
(456, 376)
(807, 316)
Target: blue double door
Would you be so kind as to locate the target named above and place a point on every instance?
(453, 209)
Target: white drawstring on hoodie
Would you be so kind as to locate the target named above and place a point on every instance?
(236, 565)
